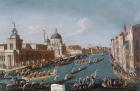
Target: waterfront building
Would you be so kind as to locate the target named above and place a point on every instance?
(56, 44)
(126, 49)
(14, 53)
(87, 50)
(96, 49)
(74, 49)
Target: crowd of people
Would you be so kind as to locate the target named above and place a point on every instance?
(123, 73)
(114, 83)
(23, 85)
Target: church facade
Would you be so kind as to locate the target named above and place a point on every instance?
(56, 44)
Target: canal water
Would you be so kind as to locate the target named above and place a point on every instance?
(103, 68)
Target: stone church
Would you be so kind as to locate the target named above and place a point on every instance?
(56, 44)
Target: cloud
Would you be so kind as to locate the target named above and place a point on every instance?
(94, 19)
(33, 29)
(37, 29)
(84, 24)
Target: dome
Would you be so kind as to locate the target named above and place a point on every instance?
(56, 35)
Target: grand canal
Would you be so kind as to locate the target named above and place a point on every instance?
(104, 69)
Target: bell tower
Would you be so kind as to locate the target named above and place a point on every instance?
(14, 42)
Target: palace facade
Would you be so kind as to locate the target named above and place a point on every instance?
(126, 49)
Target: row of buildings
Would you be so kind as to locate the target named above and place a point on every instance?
(96, 49)
(14, 53)
(77, 49)
(126, 49)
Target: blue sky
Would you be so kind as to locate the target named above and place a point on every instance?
(84, 22)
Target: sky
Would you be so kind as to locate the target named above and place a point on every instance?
(84, 22)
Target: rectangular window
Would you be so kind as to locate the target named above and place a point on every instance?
(11, 46)
(137, 58)
(137, 44)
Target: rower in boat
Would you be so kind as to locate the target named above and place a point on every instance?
(92, 82)
(80, 80)
(87, 79)
(93, 75)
